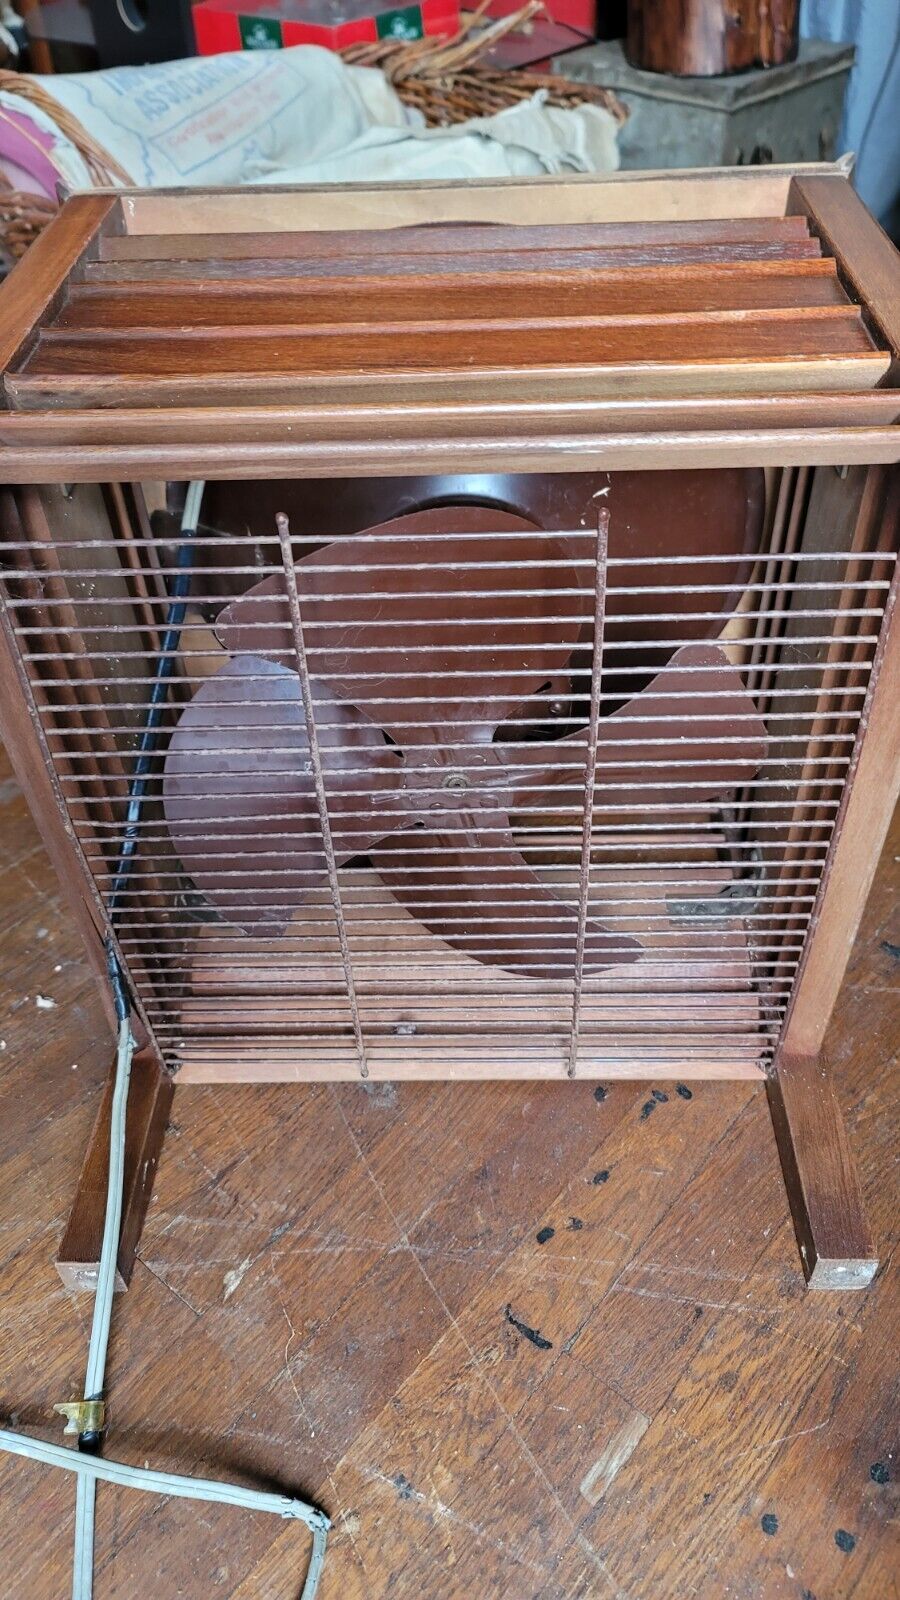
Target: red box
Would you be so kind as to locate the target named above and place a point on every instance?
(579, 15)
(534, 48)
(275, 24)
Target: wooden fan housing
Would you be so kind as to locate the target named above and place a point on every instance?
(524, 703)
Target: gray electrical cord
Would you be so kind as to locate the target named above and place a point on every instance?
(167, 1483)
(89, 1467)
(90, 1437)
(85, 1491)
(176, 1487)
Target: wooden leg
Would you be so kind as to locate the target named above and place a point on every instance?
(832, 1232)
(149, 1102)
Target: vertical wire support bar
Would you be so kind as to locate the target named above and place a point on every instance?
(590, 773)
(290, 578)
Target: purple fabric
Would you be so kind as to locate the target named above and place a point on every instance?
(22, 146)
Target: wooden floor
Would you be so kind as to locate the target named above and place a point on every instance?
(519, 1341)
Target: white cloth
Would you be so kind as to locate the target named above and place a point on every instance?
(302, 116)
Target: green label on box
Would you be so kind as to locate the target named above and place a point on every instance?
(404, 24)
(260, 33)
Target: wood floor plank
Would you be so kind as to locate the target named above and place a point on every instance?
(834, 1478)
(730, 1377)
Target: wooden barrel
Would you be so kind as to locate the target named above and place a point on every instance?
(705, 38)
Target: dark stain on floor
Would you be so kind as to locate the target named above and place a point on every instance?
(533, 1335)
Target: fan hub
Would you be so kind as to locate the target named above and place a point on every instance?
(449, 780)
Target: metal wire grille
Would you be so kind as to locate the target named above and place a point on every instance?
(712, 896)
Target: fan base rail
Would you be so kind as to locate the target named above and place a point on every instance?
(834, 1239)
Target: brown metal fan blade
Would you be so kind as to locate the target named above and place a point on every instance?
(473, 888)
(454, 614)
(239, 793)
(693, 733)
(699, 512)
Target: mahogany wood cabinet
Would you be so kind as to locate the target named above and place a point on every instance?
(451, 632)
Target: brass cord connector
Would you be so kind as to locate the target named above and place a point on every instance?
(82, 1416)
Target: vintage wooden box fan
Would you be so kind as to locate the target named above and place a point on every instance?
(449, 631)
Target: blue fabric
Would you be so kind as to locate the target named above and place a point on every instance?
(871, 125)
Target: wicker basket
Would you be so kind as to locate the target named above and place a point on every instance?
(23, 215)
(439, 77)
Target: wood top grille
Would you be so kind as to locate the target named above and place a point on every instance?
(645, 308)
(528, 325)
